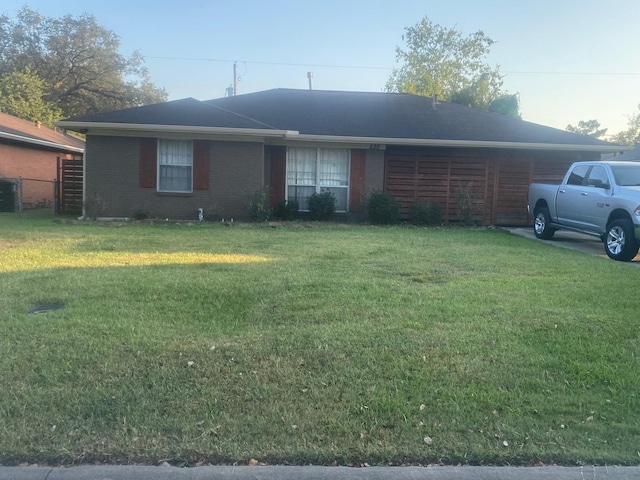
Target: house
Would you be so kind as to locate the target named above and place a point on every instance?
(32, 158)
(628, 156)
(170, 159)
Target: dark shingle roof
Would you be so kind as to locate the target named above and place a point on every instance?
(345, 114)
(188, 112)
(388, 115)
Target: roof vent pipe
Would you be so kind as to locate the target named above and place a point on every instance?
(435, 100)
(310, 77)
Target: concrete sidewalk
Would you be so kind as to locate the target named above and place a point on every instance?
(106, 472)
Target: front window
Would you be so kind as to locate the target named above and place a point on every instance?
(175, 165)
(316, 170)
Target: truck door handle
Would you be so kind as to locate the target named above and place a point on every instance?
(561, 191)
(584, 194)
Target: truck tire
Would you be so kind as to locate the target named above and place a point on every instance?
(541, 221)
(620, 242)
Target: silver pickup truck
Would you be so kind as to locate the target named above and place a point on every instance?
(596, 198)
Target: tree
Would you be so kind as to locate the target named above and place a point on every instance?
(590, 128)
(506, 104)
(22, 95)
(480, 93)
(78, 60)
(630, 136)
(440, 61)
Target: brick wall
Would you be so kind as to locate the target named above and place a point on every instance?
(31, 164)
(113, 183)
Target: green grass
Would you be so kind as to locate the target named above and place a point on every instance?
(312, 343)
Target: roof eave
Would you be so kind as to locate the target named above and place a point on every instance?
(88, 126)
(337, 139)
(429, 142)
(43, 143)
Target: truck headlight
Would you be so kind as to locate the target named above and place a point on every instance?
(636, 212)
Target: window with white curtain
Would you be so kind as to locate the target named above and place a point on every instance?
(315, 170)
(175, 165)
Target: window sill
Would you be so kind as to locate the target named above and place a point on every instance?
(174, 194)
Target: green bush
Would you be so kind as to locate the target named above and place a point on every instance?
(259, 210)
(426, 213)
(286, 210)
(322, 205)
(383, 208)
(464, 202)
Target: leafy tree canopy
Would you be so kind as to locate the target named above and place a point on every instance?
(78, 60)
(630, 136)
(506, 104)
(590, 128)
(22, 95)
(440, 61)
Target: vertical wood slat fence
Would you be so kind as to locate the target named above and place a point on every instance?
(69, 191)
(495, 183)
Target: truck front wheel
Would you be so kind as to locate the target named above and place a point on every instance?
(620, 242)
(541, 222)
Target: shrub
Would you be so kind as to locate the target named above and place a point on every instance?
(259, 210)
(383, 208)
(426, 213)
(464, 201)
(286, 210)
(322, 205)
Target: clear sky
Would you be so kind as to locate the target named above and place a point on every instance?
(569, 60)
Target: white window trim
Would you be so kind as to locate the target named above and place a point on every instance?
(318, 188)
(158, 165)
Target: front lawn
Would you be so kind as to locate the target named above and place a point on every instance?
(312, 343)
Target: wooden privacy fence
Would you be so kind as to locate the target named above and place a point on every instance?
(493, 184)
(69, 186)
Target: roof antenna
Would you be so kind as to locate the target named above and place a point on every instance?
(310, 77)
(235, 78)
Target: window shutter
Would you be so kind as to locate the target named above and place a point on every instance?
(278, 180)
(356, 182)
(200, 165)
(148, 162)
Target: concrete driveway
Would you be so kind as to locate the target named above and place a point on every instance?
(574, 241)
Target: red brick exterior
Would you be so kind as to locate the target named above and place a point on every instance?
(37, 168)
(29, 151)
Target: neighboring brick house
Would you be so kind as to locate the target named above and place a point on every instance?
(29, 154)
(170, 159)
